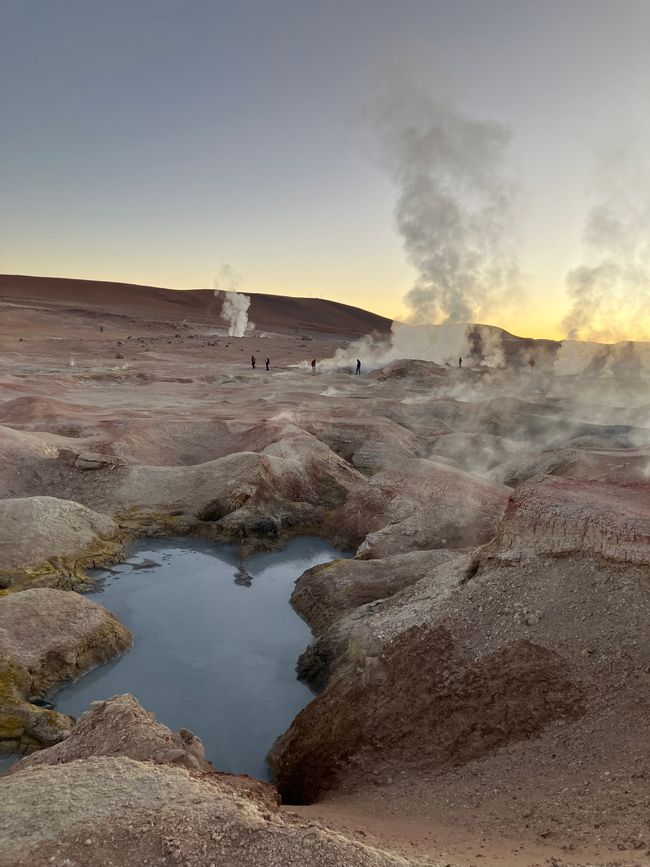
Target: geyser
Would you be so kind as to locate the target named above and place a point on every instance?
(234, 310)
(234, 304)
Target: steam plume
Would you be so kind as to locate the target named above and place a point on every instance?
(479, 346)
(234, 307)
(455, 203)
(611, 291)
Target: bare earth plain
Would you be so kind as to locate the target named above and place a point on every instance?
(482, 662)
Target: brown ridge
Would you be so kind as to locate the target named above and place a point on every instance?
(268, 312)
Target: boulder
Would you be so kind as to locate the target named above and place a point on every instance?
(121, 727)
(48, 637)
(94, 461)
(44, 537)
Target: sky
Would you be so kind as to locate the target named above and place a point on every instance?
(155, 141)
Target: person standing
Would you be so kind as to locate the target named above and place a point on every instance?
(460, 362)
(313, 366)
(358, 367)
(267, 362)
(253, 361)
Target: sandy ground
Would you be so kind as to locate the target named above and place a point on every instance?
(413, 833)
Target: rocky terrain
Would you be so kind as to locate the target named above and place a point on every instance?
(481, 662)
(123, 789)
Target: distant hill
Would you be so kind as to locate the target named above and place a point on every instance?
(268, 312)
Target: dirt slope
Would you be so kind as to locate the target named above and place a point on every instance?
(268, 312)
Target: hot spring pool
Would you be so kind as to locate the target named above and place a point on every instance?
(212, 652)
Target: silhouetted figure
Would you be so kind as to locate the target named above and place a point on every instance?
(358, 367)
(253, 362)
(313, 366)
(460, 362)
(267, 362)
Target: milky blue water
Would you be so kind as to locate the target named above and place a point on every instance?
(7, 760)
(211, 654)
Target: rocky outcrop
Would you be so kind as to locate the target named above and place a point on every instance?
(361, 634)
(606, 465)
(410, 369)
(530, 463)
(429, 505)
(46, 638)
(367, 444)
(559, 516)
(162, 442)
(42, 538)
(458, 709)
(585, 620)
(325, 593)
(290, 486)
(582, 458)
(114, 810)
(121, 727)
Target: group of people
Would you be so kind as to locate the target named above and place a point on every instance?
(267, 362)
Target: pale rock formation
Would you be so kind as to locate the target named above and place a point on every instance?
(42, 536)
(46, 638)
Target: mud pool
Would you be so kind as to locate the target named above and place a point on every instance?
(215, 650)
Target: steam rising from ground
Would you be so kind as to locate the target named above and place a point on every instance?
(455, 203)
(610, 290)
(234, 308)
(627, 358)
(477, 345)
(611, 294)
(235, 312)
